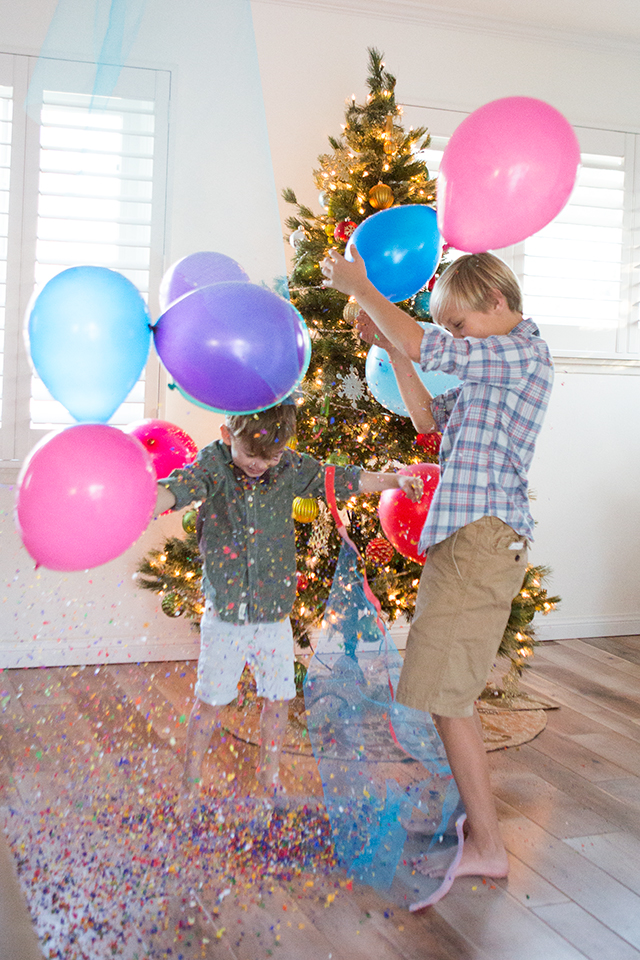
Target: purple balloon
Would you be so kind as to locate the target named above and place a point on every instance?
(198, 270)
(234, 346)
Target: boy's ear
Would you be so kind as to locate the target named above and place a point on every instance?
(498, 299)
(225, 434)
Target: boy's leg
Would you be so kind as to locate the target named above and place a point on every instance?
(272, 657)
(463, 605)
(483, 851)
(273, 725)
(203, 721)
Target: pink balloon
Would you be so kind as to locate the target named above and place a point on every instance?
(169, 446)
(507, 171)
(85, 494)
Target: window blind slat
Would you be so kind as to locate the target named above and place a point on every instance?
(95, 191)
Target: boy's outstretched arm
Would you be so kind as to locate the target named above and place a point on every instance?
(415, 395)
(351, 278)
(165, 500)
(377, 482)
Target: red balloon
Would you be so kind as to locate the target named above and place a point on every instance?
(85, 494)
(403, 520)
(169, 446)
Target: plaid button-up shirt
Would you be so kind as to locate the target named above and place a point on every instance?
(246, 529)
(490, 424)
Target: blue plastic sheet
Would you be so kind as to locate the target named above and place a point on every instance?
(389, 793)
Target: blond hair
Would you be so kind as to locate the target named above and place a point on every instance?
(266, 431)
(469, 282)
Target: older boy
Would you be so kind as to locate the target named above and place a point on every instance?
(479, 523)
(247, 483)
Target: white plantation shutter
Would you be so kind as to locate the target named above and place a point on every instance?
(94, 206)
(573, 270)
(6, 110)
(580, 274)
(88, 187)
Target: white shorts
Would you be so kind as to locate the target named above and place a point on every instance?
(226, 647)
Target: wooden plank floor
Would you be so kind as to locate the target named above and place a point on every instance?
(569, 803)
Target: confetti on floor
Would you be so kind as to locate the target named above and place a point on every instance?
(99, 879)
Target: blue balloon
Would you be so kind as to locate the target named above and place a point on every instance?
(233, 347)
(401, 248)
(89, 333)
(383, 385)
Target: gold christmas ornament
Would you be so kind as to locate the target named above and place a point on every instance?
(305, 509)
(329, 228)
(351, 311)
(381, 196)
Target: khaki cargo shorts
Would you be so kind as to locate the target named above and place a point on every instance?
(463, 604)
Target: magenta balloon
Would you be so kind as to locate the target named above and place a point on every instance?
(507, 171)
(169, 446)
(85, 494)
(198, 270)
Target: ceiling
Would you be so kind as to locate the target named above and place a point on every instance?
(599, 22)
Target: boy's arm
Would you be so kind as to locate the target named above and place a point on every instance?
(166, 500)
(417, 398)
(351, 278)
(412, 487)
(415, 395)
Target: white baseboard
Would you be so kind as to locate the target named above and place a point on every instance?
(50, 653)
(582, 628)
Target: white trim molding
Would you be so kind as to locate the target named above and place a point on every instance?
(437, 15)
(555, 627)
(50, 653)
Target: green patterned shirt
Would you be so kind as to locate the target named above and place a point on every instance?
(246, 531)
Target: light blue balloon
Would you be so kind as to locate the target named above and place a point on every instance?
(422, 303)
(383, 385)
(401, 248)
(89, 334)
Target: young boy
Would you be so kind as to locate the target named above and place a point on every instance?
(479, 523)
(247, 483)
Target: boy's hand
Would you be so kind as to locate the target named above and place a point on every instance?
(342, 275)
(412, 487)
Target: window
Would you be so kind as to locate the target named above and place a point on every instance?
(579, 274)
(87, 187)
(6, 106)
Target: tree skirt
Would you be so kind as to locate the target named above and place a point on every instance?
(506, 722)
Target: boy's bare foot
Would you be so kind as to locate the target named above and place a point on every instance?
(473, 862)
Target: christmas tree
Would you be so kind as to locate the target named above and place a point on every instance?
(373, 165)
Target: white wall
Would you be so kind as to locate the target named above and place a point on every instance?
(312, 57)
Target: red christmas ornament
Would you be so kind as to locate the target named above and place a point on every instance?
(379, 551)
(432, 283)
(343, 230)
(168, 445)
(430, 442)
(303, 582)
(401, 519)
